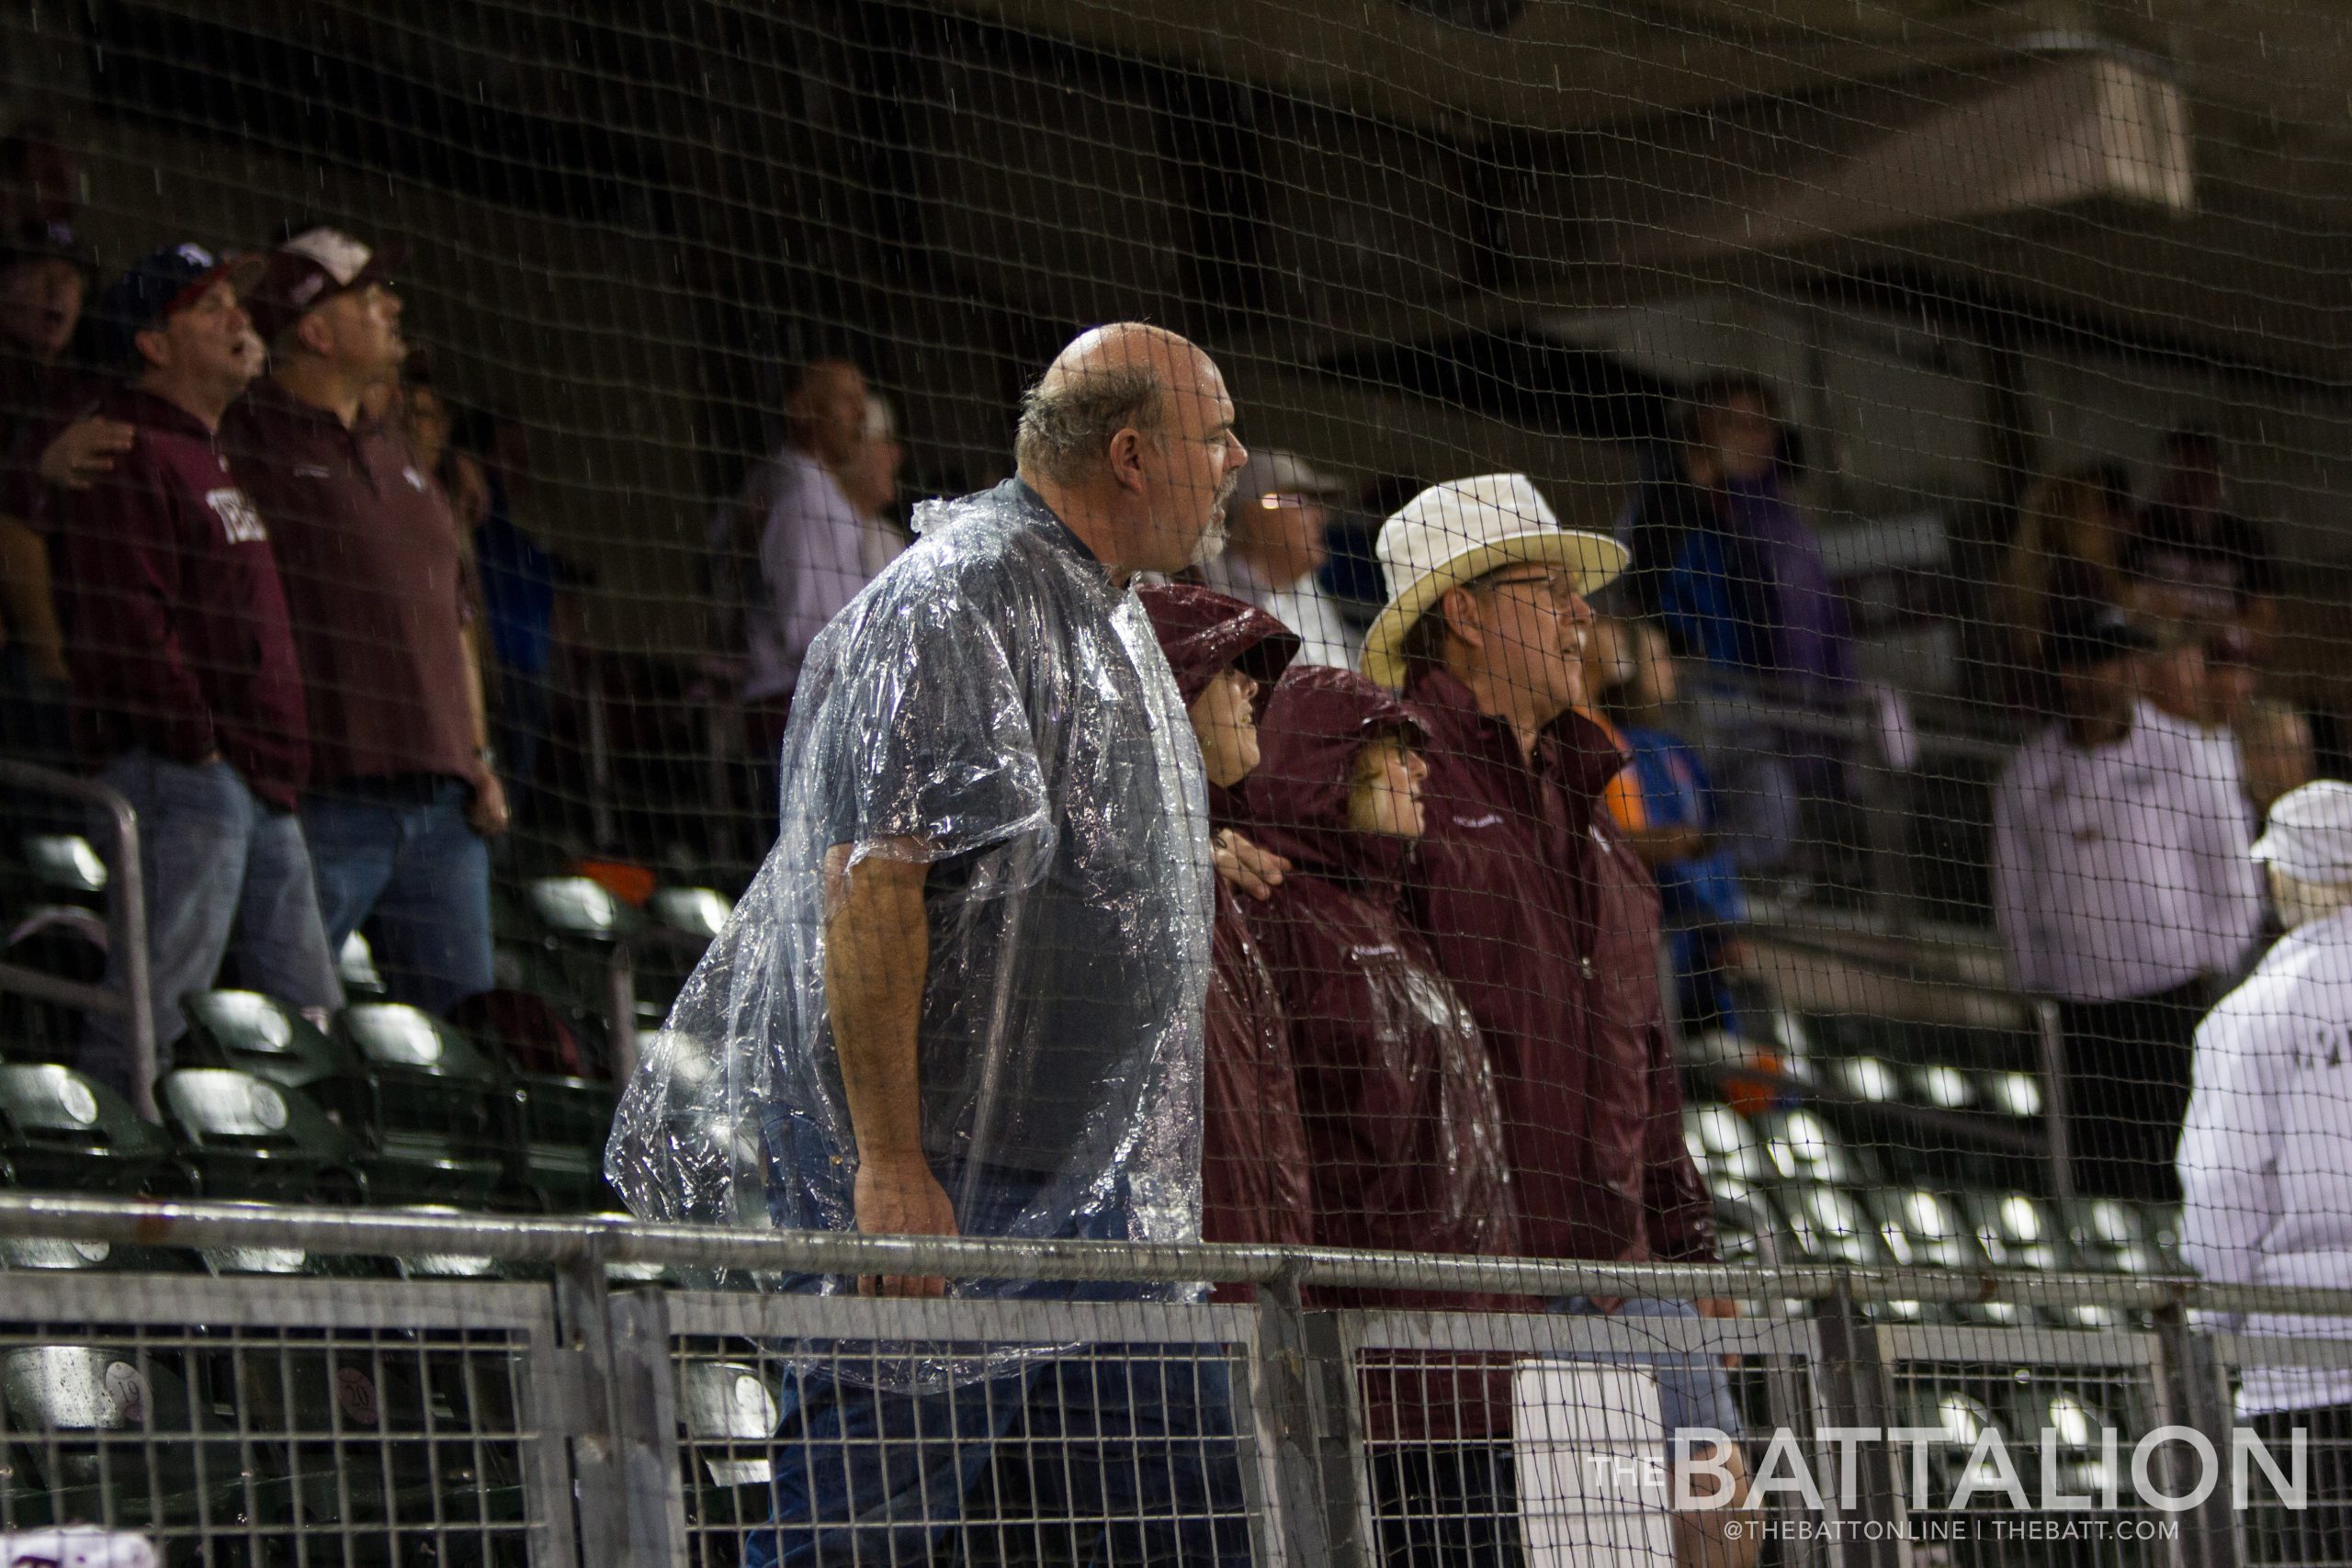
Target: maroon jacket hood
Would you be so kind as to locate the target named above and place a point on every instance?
(1202, 632)
(1318, 720)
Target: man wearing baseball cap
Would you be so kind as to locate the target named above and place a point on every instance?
(187, 693)
(2265, 1156)
(1484, 633)
(2121, 888)
(1274, 528)
(402, 793)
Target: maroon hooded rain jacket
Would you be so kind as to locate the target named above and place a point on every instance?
(1393, 1079)
(1254, 1181)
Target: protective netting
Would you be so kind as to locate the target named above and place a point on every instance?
(1657, 633)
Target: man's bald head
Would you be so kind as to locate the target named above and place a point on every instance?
(1132, 424)
(1112, 378)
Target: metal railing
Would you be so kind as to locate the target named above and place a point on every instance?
(126, 927)
(302, 1403)
(1730, 712)
(2038, 1016)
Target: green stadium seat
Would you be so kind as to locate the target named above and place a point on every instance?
(400, 1432)
(443, 1115)
(2110, 1236)
(581, 908)
(567, 1123)
(65, 863)
(1866, 1079)
(249, 1032)
(62, 1132)
(1722, 1144)
(111, 1434)
(694, 911)
(728, 1413)
(356, 966)
(1803, 1148)
(2014, 1230)
(1942, 1086)
(1828, 1224)
(247, 1137)
(46, 1254)
(2014, 1093)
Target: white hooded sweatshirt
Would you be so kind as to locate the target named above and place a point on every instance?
(2265, 1157)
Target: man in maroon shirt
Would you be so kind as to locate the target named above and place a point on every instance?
(1483, 633)
(185, 689)
(402, 794)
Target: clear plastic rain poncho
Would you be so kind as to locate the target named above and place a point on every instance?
(994, 698)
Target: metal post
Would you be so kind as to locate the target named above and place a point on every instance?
(600, 755)
(2053, 1042)
(1335, 1414)
(2192, 1391)
(126, 929)
(1850, 1373)
(1885, 801)
(1310, 1422)
(127, 916)
(645, 1423)
(577, 1393)
(620, 1008)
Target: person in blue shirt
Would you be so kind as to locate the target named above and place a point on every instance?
(521, 579)
(1703, 908)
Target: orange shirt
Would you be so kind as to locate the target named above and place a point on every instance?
(1623, 795)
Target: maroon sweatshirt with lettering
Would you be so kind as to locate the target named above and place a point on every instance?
(175, 626)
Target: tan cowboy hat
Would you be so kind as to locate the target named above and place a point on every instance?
(1456, 533)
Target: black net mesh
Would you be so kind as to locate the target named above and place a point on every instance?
(1745, 580)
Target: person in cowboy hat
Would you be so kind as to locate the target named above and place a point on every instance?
(1484, 636)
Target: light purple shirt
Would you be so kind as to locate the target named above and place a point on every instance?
(2123, 871)
(812, 563)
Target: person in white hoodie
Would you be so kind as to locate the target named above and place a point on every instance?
(2265, 1156)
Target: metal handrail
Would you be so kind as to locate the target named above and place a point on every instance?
(2039, 1013)
(620, 988)
(125, 928)
(616, 1239)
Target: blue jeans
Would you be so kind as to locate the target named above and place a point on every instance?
(405, 863)
(220, 868)
(1692, 1390)
(1124, 1454)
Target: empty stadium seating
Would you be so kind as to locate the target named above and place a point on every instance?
(1872, 1141)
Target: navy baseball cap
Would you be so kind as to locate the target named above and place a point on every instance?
(155, 286)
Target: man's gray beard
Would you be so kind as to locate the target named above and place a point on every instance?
(1212, 543)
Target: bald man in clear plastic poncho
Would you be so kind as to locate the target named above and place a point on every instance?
(964, 994)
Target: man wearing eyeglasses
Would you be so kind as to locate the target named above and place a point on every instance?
(1484, 634)
(1274, 546)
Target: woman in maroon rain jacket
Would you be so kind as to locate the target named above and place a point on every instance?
(1399, 1094)
(1254, 1184)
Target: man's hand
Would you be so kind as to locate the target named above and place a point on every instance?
(487, 811)
(877, 950)
(84, 453)
(1246, 868)
(899, 1196)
